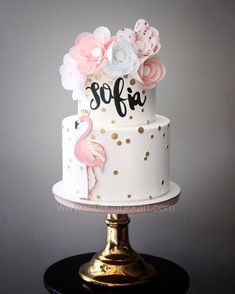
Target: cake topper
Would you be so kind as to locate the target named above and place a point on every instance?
(132, 52)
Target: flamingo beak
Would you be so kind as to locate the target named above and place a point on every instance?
(76, 124)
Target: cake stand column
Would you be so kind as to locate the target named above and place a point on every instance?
(117, 264)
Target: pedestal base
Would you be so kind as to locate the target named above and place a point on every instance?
(119, 272)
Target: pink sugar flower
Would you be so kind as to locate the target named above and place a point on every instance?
(89, 51)
(145, 38)
(150, 72)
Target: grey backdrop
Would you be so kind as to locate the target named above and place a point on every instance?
(197, 95)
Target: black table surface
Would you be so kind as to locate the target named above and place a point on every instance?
(62, 278)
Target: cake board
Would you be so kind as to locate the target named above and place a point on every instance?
(159, 203)
(117, 265)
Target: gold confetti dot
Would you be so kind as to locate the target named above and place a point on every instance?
(141, 130)
(162, 182)
(130, 117)
(145, 158)
(113, 121)
(129, 196)
(152, 136)
(103, 109)
(115, 172)
(159, 128)
(114, 136)
(119, 143)
(110, 83)
(132, 81)
(67, 129)
(81, 168)
(142, 110)
(150, 197)
(128, 141)
(143, 92)
(102, 131)
(125, 76)
(98, 197)
(92, 137)
(98, 76)
(147, 153)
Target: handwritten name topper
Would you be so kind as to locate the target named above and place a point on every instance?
(104, 93)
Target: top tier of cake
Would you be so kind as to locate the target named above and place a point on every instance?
(113, 101)
(112, 77)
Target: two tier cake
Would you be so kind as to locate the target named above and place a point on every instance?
(116, 148)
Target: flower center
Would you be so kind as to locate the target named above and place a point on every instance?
(140, 45)
(96, 52)
(120, 55)
(146, 70)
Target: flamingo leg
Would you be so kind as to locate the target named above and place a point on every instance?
(91, 181)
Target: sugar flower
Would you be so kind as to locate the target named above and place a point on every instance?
(89, 51)
(71, 78)
(150, 72)
(144, 37)
(122, 59)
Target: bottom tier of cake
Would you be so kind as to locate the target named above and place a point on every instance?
(136, 165)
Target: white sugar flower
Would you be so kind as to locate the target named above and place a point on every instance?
(71, 78)
(121, 59)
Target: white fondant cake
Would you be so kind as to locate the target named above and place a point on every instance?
(115, 149)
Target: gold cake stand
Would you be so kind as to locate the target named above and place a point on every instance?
(118, 264)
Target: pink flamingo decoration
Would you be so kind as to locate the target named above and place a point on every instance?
(91, 153)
